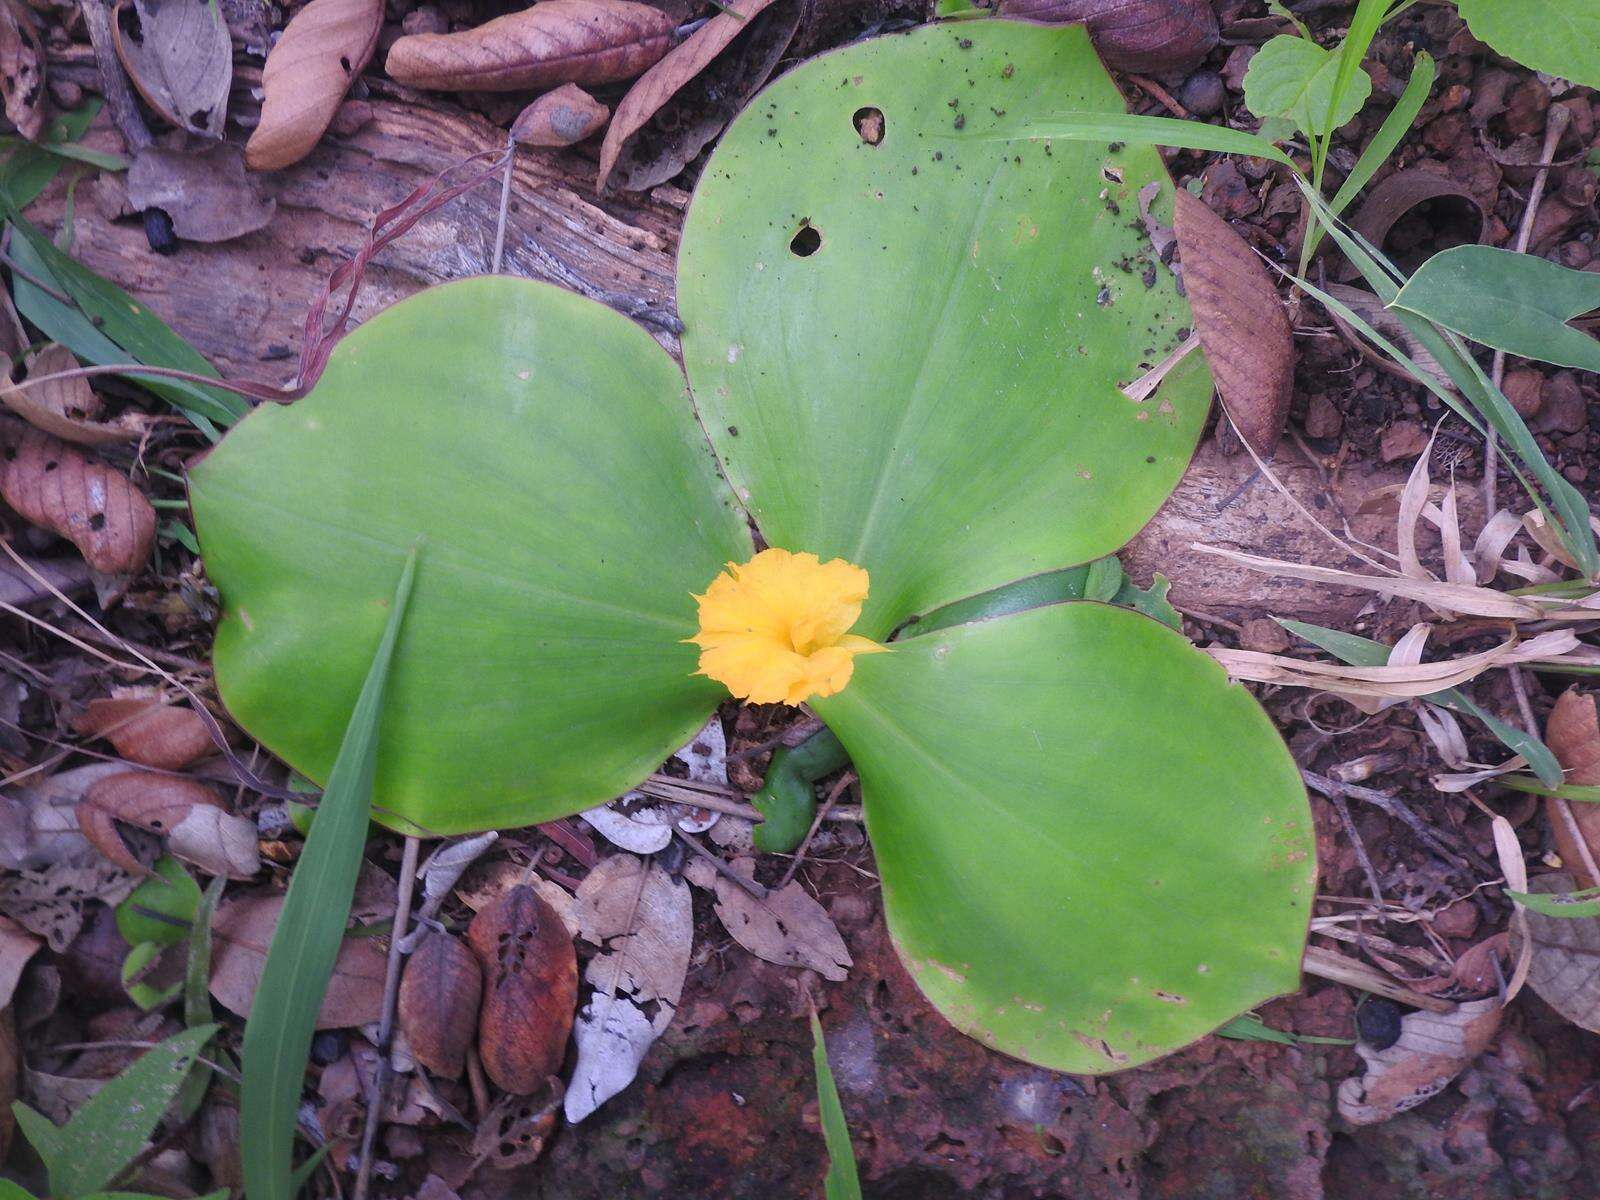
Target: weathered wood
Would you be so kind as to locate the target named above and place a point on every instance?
(243, 303)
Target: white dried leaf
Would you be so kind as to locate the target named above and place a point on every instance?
(217, 842)
(1432, 1050)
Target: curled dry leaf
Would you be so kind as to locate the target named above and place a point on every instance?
(1433, 1049)
(180, 58)
(209, 196)
(562, 117)
(22, 59)
(439, 997)
(65, 408)
(1383, 206)
(644, 919)
(787, 926)
(1573, 735)
(241, 935)
(514, 1132)
(1133, 35)
(90, 503)
(324, 47)
(1564, 968)
(147, 730)
(17, 946)
(554, 42)
(530, 988)
(1241, 325)
(157, 804)
(723, 76)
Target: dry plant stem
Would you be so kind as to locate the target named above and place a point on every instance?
(1337, 799)
(1329, 964)
(477, 1081)
(391, 991)
(1555, 125)
(1395, 808)
(113, 80)
(1560, 804)
(834, 793)
(1160, 94)
(749, 885)
(505, 205)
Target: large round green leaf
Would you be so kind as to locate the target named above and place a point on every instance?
(544, 451)
(1094, 848)
(910, 353)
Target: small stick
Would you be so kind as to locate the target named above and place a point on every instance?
(1340, 806)
(1555, 124)
(391, 990)
(834, 793)
(1560, 805)
(505, 205)
(749, 885)
(477, 1082)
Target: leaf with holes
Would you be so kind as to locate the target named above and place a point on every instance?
(179, 56)
(786, 926)
(530, 988)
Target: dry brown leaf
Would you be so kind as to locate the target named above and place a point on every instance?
(17, 946)
(1133, 35)
(241, 934)
(154, 803)
(1565, 965)
(764, 30)
(1241, 325)
(1432, 1050)
(554, 42)
(209, 196)
(562, 117)
(439, 997)
(513, 1133)
(1573, 735)
(324, 47)
(50, 902)
(787, 926)
(66, 408)
(180, 58)
(530, 989)
(146, 730)
(22, 59)
(1479, 968)
(90, 503)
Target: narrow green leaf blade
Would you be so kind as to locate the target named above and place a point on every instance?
(1560, 904)
(42, 1133)
(28, 169)
(277, 1037)
(1514, 302)
(1143, 131)
(197, 992)
(842, 1182)
(103, 1136)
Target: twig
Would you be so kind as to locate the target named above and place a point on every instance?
(749, 885)
(54, 294)
(1336, 798)
(1555, 125)
(505, 205)
(834, 793)
(113, 80)
(1395, 807)
(1160, 94)
(391, 990)
(1329, 964)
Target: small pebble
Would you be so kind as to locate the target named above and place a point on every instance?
(328, 1047)
(1378, 1022)
(1203, 93)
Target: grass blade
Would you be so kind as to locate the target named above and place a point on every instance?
(197, 992)
(86, 1154)
(1146, 131)
(1364, 652)
(277, 1037)
(841, 1183)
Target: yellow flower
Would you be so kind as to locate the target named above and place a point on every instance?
(773, 629)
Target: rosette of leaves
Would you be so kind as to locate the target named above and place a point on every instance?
(908, 349)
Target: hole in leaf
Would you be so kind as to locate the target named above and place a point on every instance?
(869, 124)
(806, 241)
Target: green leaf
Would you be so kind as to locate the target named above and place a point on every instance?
(934, 392)
(1358, 651)
(1558, 37)
(1295, 78)
(88, 1152)
(545, 448)
(139, 959)
(1251, 1028)
(161, 908)
(126, 329)
(1094, 849)
(294, 978)
(841, 1182)
(1106, 128)
(1053, 587)
(29, 169)
(1560, 904)
(1513, 302)
(9, 1190)
(788, 796)
(197, 992)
